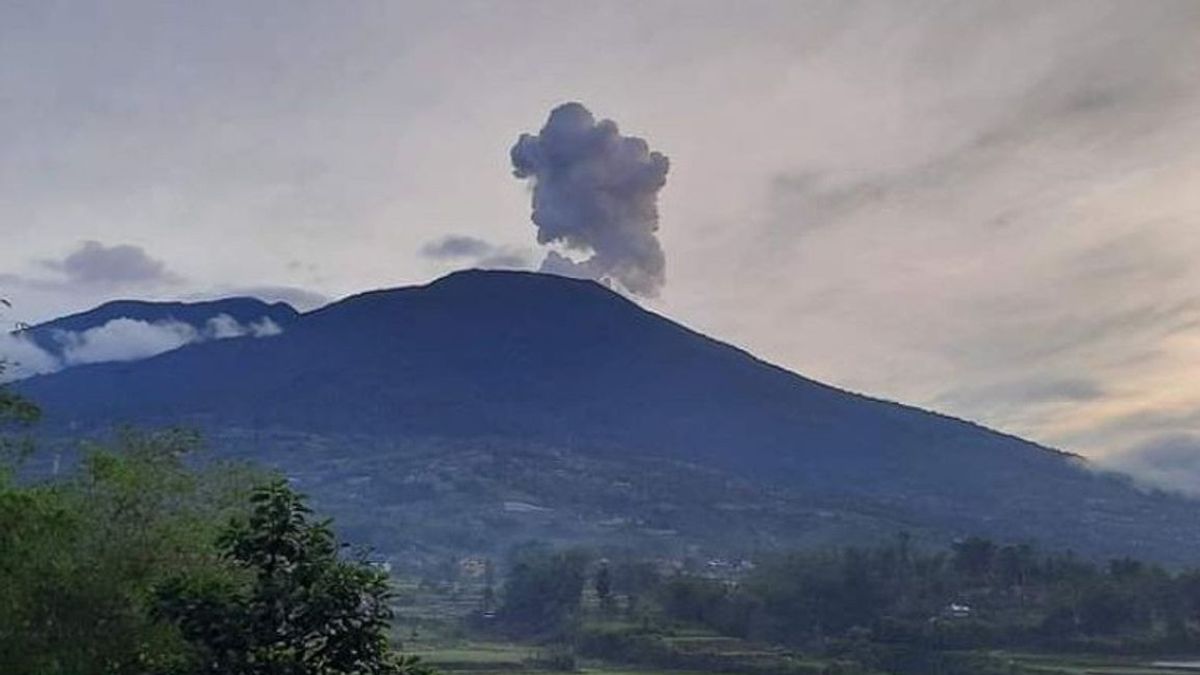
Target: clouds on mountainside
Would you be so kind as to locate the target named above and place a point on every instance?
(120, 339)
(1171, 462)
(21, 357)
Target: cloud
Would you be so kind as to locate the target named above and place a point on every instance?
(302, 299)
(927, 201)
(122, 264)
(20, 357)
(1005, 231)
(1171, 462)
(265, 327)
(473, 252)
(129, 340)
(595, 192)
(120, 339)
(92, 273)
(456, 246)
(1031, 390)
(223, 326)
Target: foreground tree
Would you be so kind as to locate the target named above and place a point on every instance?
(16, 411)
(80, 557)
(299, 607)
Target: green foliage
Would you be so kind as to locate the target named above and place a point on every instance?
(603, 586)
(981, 595)
(79, 558)
(144, 562)
(543, 591)
(16, 412)
(298, 608)
(15, 409)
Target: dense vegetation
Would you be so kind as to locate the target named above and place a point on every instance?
(978, 594)
(890, 608)
(142, 562)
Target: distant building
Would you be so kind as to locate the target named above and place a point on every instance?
(956, 611)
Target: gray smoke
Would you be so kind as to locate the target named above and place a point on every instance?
(595, 192)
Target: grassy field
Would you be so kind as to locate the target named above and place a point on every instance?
(1075, 664)
(492, 658)
(466, 657)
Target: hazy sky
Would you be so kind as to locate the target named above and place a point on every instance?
(990, 209)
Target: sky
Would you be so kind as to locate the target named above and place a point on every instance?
(987, 209)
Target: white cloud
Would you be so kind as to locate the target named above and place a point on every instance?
(264, 327)
(22, 358)
(223, 326)
(124, 340)
(120, 339)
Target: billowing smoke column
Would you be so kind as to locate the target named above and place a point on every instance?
(595, 192)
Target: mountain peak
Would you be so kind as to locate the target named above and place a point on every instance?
(500, 283)
(512, 361)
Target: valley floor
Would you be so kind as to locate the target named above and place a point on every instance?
(470, 657)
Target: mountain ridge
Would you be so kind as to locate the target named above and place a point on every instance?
(527, 360)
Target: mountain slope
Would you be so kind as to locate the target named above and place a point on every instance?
(49, 336)
(519, 361)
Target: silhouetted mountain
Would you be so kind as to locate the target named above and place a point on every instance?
(245, 311)
(599, 419)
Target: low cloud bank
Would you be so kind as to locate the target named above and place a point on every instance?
(22, 358)
(1170, 462)
(119, 340)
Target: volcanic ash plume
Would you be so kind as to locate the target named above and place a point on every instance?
(595, 193)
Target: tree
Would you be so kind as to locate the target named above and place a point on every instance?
(299, 608)
(14, 408)
(604, 587)
(543, 590)
(15, 411)
(974, 557)
(489, 587)
(635, 579)
(80, 557)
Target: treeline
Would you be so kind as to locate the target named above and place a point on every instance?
(869, 606)
(976, 594)
(140, 562)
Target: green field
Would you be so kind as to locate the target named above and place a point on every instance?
(429, 624)
(456, 655)
(483, 658)
(1076, 664)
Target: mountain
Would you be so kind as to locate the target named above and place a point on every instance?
(55, 336)
(491, 406)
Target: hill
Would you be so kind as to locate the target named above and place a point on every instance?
(56, 335)
(491, 406)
